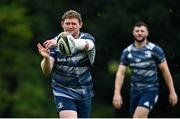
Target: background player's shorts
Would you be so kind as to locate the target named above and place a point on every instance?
(145, 99)
(82, 107)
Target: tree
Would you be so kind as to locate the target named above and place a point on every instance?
(22, 91)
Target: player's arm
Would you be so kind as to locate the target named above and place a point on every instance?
(83, 44)
(79, 44)
(48, 62)
(117, 99)
(50, 43)
(169, 82)
(47, 65)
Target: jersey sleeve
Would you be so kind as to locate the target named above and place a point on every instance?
(53, 52)
(88, 36)
(158, 54)
(123, 58)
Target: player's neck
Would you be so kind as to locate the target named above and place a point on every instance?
(76, 36)
(140, 44)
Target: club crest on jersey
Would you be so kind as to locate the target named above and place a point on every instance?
(148, 54)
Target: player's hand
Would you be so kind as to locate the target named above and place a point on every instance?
(43, 51)
(50, 43)
(117, 101)
(173, 99)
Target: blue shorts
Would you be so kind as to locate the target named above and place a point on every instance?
(82, 107)
(145, 99)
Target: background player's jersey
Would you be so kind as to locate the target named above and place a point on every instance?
(143, 63)
(72, 74)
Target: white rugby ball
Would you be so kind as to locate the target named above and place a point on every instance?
(66, 45)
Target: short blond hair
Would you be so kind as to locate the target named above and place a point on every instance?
(72, 14)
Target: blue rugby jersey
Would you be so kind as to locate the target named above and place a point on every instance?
(143, 63)
(72, 74)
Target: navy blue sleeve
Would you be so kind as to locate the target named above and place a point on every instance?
(124, 60)
(158, 54)
(53, 52)
(88, 36)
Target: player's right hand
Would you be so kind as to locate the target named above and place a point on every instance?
(43, 51)
(117, 101)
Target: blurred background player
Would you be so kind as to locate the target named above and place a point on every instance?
(143, 57)
(71, 79)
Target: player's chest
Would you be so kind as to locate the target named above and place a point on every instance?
(140, 56)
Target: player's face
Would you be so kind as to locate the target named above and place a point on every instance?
(72, 25)
(140, 33)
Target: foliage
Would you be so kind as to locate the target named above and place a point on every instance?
(21, 86)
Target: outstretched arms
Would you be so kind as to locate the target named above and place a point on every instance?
(79, 44)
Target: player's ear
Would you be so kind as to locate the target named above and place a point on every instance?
(133, 32)
(80, 24)
(147, 33)
(62, 23)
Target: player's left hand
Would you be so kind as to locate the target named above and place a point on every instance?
(50, 43)
(117, 101)
(173, 99)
